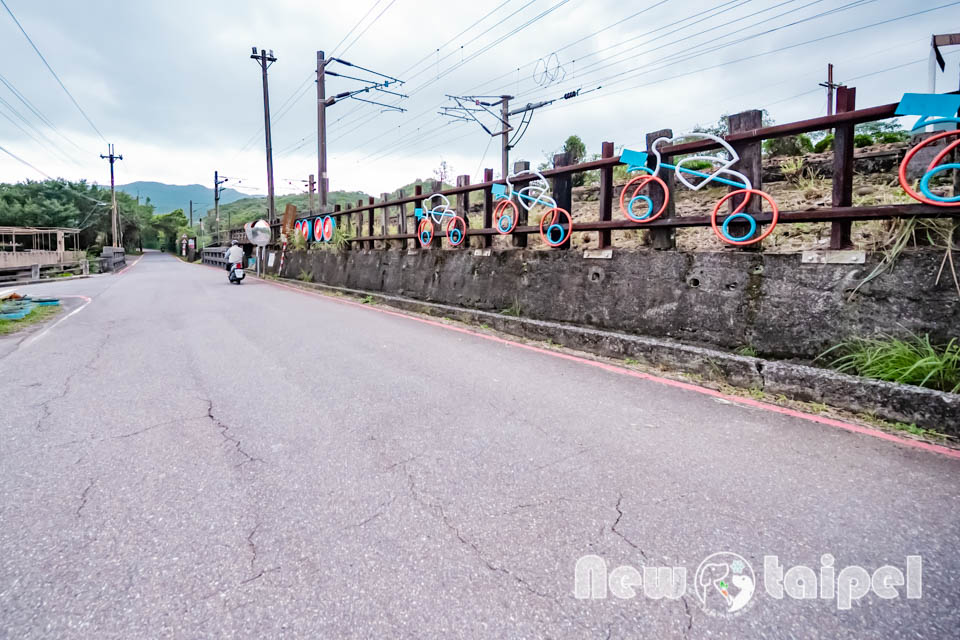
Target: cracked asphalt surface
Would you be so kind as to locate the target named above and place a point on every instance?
(184, 458)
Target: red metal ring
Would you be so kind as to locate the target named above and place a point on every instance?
(643, 180)
(739, 209)
(902, 175)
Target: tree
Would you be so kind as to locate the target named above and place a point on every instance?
(169, 226)
(575, 147)
(443, 172)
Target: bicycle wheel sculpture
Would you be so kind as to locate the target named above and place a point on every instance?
(556, 225)
(933, 109)
(638, 206)
(441, 213)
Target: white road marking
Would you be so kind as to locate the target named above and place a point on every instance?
(32, 339)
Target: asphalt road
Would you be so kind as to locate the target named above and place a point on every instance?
(186, 458)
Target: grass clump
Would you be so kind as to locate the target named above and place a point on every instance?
(39, 314)
(914, 360)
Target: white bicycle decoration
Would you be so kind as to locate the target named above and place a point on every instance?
(636, 161)
(455, 227)
(557, 221)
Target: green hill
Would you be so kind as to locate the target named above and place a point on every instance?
(167, 197)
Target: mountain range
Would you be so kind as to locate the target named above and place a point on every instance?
(168, 197)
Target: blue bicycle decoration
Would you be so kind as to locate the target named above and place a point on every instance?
(443, 214)
(555, 224)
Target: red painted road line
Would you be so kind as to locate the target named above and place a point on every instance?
(750, 402)
(129, 265)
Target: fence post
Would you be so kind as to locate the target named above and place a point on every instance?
(385, 219)
(563, 193)
(437, 226)
(843, 169)
(751, 158)
(359, 219)
(606, 196)
(370, 201)
(402, 219)
(665, 238)
(520, 239)
(417, 204)
(463, 206)
(487, 208)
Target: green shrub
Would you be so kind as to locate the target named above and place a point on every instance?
(914, 360)
(888, 137)
(788, 146)
(862, 140)
(824, 144)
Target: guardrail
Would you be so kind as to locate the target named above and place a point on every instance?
(111, 258)
(214, 256)
(746, 139)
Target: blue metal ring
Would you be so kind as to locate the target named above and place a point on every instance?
(633, 216)
(726, 223)
(925, 183)
(425, 237)
(455, 239)
(500, 224)
(563, 233)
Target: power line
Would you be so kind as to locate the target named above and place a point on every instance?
(367, 28)
(333, 51)
(52, 72)
(22, 161)
(36, 112)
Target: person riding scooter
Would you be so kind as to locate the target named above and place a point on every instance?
(234, 254)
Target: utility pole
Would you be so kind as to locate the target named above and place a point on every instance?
(191, 214)
(324, 185)
(113, 194)
(265, 59)
(311, 185)
(323, 102)
(505, 136)
(830, 85)
(216, 199)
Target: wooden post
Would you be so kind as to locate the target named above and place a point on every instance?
(843, 169)
(385, 219)
(751, 157)
(370, 243)
(359, 220)
(487, 208)
(402, 219)
(563, 193)
(665, 238)
(606, 195)
(520, 239)
(347, 220)
(437, 227)
(417, 204)
(463, 206)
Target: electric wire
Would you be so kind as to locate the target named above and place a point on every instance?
(52, 72)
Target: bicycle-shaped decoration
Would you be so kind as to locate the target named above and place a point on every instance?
(933, 109)
(442, 214)
(631, 196)
(555, 224)
(319, 229)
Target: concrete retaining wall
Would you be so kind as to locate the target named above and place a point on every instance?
(728, 299)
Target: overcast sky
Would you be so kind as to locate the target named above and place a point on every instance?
(172, 85)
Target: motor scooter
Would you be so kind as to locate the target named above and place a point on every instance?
(236, 273)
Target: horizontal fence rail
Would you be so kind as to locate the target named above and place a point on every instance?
(399, 212)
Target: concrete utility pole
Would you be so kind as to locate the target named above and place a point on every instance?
(216, 200)
(265, 59)
(323, 102)
(323, 185)
(191, 214)
(113, 194)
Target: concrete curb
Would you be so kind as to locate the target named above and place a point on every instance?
(22, 283)
(927, 408)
